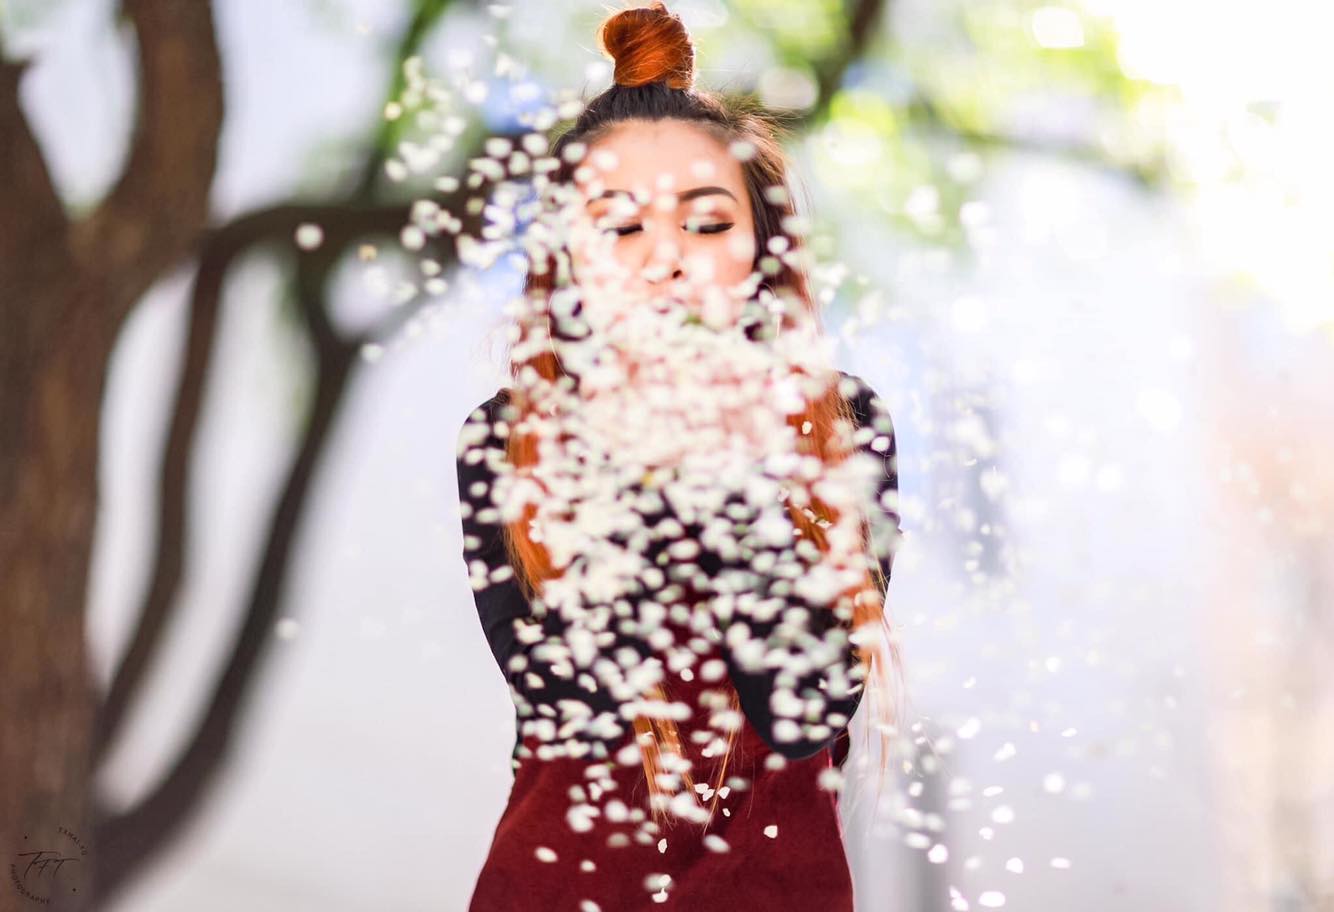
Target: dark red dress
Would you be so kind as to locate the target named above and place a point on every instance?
(568, 840)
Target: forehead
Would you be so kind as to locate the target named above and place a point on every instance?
(657, 156)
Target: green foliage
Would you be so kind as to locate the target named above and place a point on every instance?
(993, 61)
(426, 14)
(22, 22)
(801, 30)
(868, 151)
(956, 80)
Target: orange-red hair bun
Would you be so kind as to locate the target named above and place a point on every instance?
(649, 44)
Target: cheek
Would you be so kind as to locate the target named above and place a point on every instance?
(734, 256)
(582, 241)
(594, 255)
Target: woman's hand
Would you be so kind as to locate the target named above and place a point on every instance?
(662, 388)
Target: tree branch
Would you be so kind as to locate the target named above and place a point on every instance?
(153, 216)
(128, 838)
(863, 20)
(34, 272)
(425, 15)
(343, 226)
(32, 220)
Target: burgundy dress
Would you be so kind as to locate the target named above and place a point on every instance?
(576, 833)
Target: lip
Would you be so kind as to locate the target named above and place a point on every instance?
(674, 296)
(680, 294)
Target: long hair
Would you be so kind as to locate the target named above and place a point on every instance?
(653, 80)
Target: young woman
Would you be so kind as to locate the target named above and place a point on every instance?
(678, 741)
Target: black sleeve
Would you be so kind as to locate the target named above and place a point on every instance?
(546, 679)
(798, 652)
(793, 663)
(875, 436)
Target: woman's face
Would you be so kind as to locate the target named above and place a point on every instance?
(663, 212)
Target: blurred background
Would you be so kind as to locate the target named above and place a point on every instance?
(1084, 250)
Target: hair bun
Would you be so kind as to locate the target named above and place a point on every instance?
(649, 44)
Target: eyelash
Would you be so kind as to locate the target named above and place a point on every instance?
(718, 228)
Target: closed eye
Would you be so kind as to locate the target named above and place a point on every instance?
(716, 228)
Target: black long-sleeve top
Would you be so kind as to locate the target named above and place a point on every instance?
(563, 690)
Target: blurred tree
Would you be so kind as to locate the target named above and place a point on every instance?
(65, 288)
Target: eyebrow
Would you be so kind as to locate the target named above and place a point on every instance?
(683, 197)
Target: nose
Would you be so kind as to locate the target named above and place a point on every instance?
(665, 265)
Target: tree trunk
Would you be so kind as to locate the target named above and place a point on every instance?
(66, 287)
(48, 701)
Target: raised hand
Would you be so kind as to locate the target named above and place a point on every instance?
(661, 388)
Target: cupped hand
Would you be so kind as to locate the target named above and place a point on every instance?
(664, 390)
